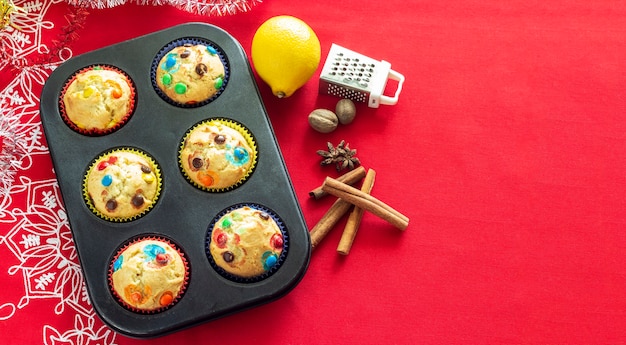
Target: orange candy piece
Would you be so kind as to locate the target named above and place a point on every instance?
(117, 89)
(206, 178)
(134, 294)
(166, 298)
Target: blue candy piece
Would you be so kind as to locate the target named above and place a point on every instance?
(107, 180)
(170, 61)
(118, 263)
(152, 250)
(238, 156)
(241, 153)
(269, 260)
(211, 50)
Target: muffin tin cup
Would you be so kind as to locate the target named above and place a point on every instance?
(181, 42)
(154, 166)
(95, 131)
(138, 239)
(281, 258)
(247, 136)
(183, 212)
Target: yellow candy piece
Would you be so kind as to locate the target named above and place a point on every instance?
(88, 91)
(149, 178)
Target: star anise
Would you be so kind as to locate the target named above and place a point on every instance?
(342, 156)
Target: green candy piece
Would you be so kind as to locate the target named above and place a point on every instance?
(219, 82)
(166, 79)
(226, 223)
(180, 88)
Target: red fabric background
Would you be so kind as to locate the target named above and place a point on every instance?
(506, 150)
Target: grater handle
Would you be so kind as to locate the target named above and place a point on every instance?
(393, 100)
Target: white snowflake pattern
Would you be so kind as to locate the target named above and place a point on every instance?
(33, 223)
(82, 333)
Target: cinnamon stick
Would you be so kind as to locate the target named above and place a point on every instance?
(365, 201)
(354, 219)
(328, 221)
(350, 177)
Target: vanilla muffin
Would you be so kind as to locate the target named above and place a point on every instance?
(217, 154)
(122, 185)
(148, 275)
(246, 242)
(97, 100)
(190, 73)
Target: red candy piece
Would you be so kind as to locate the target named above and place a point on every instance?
(162, 259)
(277, 241)
(104, 164)
(220, 239)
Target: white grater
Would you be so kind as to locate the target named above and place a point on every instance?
(348, 74)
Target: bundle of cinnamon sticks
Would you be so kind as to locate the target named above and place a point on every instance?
(350, 197)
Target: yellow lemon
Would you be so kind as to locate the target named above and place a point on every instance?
(285, 53)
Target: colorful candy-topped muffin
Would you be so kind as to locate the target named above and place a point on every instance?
(122, 185)
(97, 100)
(217, 154)
(190, 74)
(148, 275)
(246, 242)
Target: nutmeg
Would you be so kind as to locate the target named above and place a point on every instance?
(345, 110)
(323, 120)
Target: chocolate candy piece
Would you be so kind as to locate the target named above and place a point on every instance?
(219, 139)
(185, 54)
(111, 205)
(197, 163)
(145, 169)
(137, 200)
(201, 69)
(228, 256)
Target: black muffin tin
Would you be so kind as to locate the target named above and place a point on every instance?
(183, 212)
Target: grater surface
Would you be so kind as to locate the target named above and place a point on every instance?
(348, 74)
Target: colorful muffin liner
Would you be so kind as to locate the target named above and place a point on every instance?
(99, 132)
(102, 159)
(114, 263)
(193, 41)
(234, 125)
(279, 260)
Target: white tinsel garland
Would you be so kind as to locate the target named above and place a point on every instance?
(203, 7)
